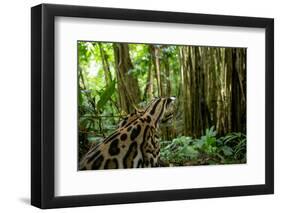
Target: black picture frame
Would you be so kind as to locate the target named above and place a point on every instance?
(43, 105)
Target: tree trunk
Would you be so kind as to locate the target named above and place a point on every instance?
(105, 64)
(156, 62)
(167, 79)
(128, 88)
(148, 92)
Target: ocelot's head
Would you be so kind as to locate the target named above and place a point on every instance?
(159, 110)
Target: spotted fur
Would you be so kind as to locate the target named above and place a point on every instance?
(131, 117)
(135, 142)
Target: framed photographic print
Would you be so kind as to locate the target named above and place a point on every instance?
(139, 106)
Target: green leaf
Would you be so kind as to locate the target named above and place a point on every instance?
(106, 94)
(93, 139)
(190, 152)
(227, 150)
(199, 143)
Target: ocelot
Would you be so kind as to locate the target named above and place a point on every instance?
(135, 142)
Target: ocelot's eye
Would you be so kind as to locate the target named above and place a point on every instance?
(170, 100)
(173, 98)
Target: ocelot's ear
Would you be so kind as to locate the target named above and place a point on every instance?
(137, 111)
(140, 111)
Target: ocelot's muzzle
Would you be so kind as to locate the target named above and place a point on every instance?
(170, 109)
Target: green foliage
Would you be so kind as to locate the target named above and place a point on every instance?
(96, 98)
(106, 95)
(208, 149)
(178, 150)
(237, 141)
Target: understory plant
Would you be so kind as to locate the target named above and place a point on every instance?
(206, 150)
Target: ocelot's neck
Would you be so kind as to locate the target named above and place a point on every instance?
(154, 112)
